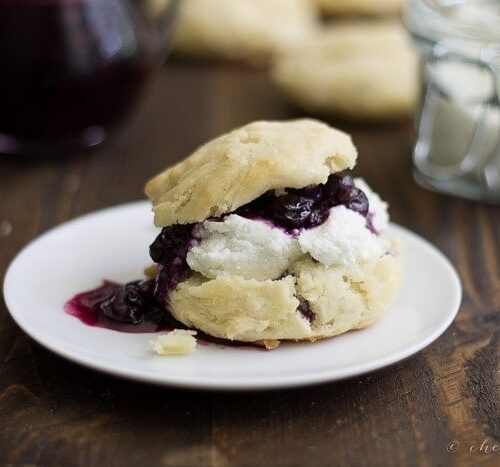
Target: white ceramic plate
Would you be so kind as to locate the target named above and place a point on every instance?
(113, 244)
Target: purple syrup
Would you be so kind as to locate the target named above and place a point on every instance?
(88, 308)
(85, 304)
(307, 207)
(169, 250)
(369, 224)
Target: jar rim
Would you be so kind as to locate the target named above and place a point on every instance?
(433, 20)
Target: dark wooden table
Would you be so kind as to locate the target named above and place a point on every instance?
(436, 408)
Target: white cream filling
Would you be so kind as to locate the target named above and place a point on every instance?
(254, 249)
(243, 247)
(342, 239)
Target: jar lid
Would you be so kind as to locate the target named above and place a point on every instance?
(472, 20)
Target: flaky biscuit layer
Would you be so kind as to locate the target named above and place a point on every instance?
(342, 298)
(239, 166)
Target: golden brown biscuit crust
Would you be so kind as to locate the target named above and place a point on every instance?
(239, 166)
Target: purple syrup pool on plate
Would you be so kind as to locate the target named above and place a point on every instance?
(108, 307)
(131, 308)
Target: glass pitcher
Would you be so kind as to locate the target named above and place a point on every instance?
(70, 70)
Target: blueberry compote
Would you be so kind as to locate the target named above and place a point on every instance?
(169, 251)
(142, 306)
(132, 308)
(117, 306)
(307, 207)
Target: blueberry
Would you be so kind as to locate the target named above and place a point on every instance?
(343, 179)
(319, 215)
(357, 202)
(127, 305)
(313, 192)
(155, 314)
(305, 309)
(258, 207)
(292, 211)
(338, 183)
(307, 207)
(168, 278)
(171, 242)
(169, 250)
(147, 289)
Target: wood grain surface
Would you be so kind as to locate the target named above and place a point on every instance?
(436, 408)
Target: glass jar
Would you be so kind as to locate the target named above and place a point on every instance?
(457, 150)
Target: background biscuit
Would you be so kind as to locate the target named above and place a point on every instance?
(360, 7)
(361, 70)
(248, 30)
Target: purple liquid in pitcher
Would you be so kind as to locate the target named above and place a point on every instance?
(69, 70)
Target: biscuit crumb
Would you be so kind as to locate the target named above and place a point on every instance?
(269, 344)
(177, 342)
(151, 271)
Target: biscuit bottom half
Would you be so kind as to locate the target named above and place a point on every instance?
(338, 299)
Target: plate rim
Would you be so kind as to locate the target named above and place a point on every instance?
(224, 383)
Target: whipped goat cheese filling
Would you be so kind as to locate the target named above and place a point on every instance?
(342, 239)
(243, 247)
(255, 249)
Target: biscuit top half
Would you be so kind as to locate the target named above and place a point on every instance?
(240, 166)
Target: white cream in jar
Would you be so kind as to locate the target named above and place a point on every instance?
(458, 144)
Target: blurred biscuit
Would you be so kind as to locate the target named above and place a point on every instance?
(361, 70)
(360, 7)
(247, 30)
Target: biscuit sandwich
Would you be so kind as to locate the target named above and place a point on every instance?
(266, 237)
